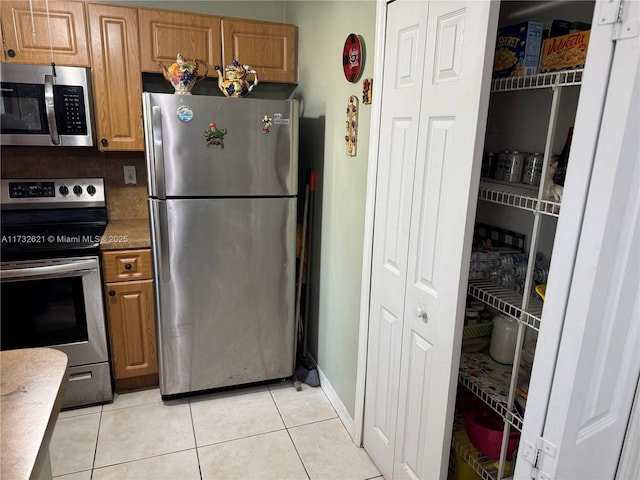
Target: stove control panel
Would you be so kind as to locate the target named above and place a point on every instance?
(52, 193)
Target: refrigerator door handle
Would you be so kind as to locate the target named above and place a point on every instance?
(158, 152)
(164, 241)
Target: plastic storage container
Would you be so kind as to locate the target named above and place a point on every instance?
(503, 339)
(485, 427)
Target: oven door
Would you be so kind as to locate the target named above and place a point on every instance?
(54, 303)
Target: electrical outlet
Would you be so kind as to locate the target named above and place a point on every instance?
(130, 174)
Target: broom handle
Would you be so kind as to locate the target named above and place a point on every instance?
(312, 189)
(301, 263)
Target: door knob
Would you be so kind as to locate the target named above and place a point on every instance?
(422, 313)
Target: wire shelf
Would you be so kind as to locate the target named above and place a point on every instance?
(566, 78)
(489, 381)
(507, 301)
(519, 196)
(484, 466)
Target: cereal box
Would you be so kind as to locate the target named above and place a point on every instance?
(517, 50)
(565, 53)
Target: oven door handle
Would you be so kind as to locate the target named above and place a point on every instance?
(81, 267)
(51, 109)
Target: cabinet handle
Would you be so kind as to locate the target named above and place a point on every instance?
(127, 266)
(11, 53)
(104, 142)
(112, 293)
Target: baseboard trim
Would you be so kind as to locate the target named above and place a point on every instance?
(333, 397)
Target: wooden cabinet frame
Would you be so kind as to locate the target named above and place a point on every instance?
(131, 318)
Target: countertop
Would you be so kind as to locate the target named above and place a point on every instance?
(32, 384)
(126, 234)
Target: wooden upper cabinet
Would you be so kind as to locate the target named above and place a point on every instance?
(117, 83)
(270, 48)
(32, 36)
(165, 33)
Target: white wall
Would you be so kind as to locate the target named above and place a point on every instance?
(323, 27)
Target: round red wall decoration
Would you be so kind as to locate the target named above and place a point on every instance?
(352, 57)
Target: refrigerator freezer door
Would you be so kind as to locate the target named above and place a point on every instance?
(226, 298)
(253, 159)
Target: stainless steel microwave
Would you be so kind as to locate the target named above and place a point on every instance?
(45, 106)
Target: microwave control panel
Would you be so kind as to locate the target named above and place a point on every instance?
(71, 117)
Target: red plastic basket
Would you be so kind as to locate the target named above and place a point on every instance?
(485, 427)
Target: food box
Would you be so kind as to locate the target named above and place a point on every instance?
(463, 469)
(565, 53)
(517, 50)
(559, 27)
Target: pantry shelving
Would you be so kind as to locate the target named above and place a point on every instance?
(565, 78)
(518, 196)
(507, 301)
(491, 382)
(482, 465)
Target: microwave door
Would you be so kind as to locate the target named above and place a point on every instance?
(41, 108)
(22, 110)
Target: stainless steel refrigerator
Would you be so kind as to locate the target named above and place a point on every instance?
(222, 175)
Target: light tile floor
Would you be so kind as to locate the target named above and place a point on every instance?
(269, 432)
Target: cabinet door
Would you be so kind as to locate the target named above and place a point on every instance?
(165, 33)
(270, 48)
(132, 328)
(33, 35)
(117, 84)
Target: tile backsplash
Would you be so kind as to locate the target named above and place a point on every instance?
(123, 201)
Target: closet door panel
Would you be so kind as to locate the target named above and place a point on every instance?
(396, 163)
(453, 110)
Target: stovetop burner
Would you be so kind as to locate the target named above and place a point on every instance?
(44, 217)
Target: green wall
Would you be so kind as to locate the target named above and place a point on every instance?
(340, 201)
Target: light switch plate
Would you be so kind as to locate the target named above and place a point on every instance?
(130, 174)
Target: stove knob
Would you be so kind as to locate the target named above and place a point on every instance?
(77, 189)
(64, 190)
(91, 190)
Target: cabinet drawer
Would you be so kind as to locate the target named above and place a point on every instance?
(123, 265)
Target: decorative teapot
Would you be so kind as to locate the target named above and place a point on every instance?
(184, 76)
(234, 82)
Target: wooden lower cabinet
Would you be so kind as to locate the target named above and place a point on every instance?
(132, 330)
